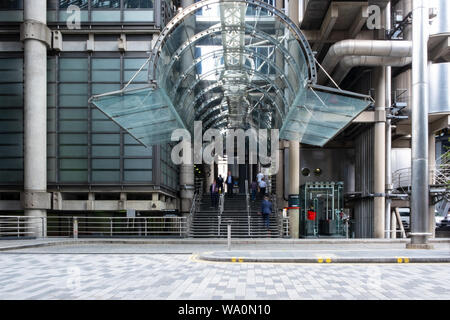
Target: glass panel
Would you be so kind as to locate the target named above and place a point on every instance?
(319, 116)
(147, 114)
(141, 176)
(138, 16)
(114, 4)
(105, 176)
(127, 4)
(83, 4)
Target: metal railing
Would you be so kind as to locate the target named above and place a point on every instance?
(219, 215)
(65, 226)
(285, 227)
(439, 173)
(247, 203)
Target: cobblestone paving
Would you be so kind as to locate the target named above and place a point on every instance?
(177, 276)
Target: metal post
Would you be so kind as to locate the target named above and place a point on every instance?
(388, 169)
(379, 154)
(110, 227)
(18, 227)
(75, 227)
(229, 236)
(419, 113)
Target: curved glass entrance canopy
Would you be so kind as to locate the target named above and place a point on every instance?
(232, 64)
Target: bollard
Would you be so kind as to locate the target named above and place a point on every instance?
(75, 228)
(229, 236)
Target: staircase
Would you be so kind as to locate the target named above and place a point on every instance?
(206, 222)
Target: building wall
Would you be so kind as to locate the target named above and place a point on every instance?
(85, 149)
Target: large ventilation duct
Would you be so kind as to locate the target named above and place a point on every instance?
(377, 48)
(347, 63)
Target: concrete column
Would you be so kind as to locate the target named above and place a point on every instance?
(432, 165)
(35, 116)
(279, 4)
(293, 11)
(294, 186)
(280, 176)
(186, 186)
(187, 170)
(393, 225)
(379, 154)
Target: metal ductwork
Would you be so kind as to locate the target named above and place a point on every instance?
(347, 63)
(366, 49)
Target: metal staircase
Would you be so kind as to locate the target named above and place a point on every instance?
(439, 186)
(208, 222)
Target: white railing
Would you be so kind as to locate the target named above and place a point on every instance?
(64, 226)
(285, 227)
(440, 175)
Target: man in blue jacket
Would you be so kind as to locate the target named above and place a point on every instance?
(266, 210)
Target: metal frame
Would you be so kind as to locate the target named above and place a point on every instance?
(198, 5)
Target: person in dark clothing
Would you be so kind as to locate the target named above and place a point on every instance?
(254, 188)
(220, 183)
(230, 183)
(214, 190)
(262, 188)
(266, 210)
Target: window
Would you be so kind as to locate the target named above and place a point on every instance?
(138, 4)
(115, 4)
(11, 120)
(82, 4)
(11, 4)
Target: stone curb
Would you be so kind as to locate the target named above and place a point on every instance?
(211, 241)
(398, 260)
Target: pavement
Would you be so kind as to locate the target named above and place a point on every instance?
(158, 269)
(76, 276)
(245, 250)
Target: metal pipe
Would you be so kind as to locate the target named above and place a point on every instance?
(388, 159)
(349, 62)
(419, 113)
(379, 48)
(379, 155)
(35, 109)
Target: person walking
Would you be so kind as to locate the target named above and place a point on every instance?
(254, 188)
(262, 187)
(266, 210)
(220, 183)
(259, 176)
(214, 189)
(230, 183)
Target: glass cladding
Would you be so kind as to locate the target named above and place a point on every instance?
(101, 11)
(237, 61)
(11, 120)
(85, 146)
(232, 64)
(319, 116)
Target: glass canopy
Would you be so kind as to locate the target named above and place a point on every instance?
(231, 64)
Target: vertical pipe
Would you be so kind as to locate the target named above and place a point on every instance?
(419, 112)
(388, 134)
(432, 165)
(35, 110)
(379, 154)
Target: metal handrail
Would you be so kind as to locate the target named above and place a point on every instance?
(440, 176)
(219, 215)
(247, 201)
(66, 226)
